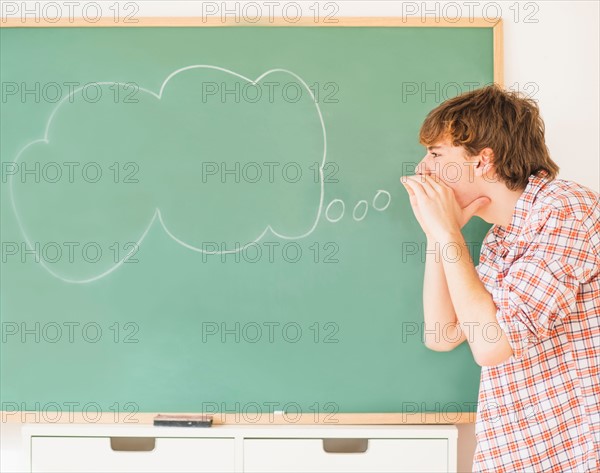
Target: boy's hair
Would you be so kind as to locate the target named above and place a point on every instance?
(494, 118)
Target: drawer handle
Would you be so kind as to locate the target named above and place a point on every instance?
(132, 444)
(345, 445)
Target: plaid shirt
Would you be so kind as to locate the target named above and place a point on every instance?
(540, 409)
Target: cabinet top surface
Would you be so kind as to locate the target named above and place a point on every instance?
(246, 431)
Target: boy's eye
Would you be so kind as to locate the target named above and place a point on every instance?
(435, 155)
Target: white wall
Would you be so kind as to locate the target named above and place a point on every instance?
(560, 54)
(551, 52)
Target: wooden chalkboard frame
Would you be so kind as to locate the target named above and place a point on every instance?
(373, 22)
(277, 419)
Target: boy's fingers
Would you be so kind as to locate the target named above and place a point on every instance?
(438, 184)
(421, 183)
(415, 186)
(408, 189)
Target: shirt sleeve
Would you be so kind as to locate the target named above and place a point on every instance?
(540, 289)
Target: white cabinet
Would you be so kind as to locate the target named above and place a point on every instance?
(104, 454)
(240, 448)
(385, 455)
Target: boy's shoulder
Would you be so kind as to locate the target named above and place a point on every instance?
(567, 210)
(568, 199)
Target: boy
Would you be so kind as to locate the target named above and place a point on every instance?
(530, 310)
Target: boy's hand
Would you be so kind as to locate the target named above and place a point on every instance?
(435, 206)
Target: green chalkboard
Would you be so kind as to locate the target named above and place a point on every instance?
(200, 217)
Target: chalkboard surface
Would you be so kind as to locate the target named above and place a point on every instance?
(201, 218)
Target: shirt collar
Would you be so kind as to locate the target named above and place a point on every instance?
(506, 235)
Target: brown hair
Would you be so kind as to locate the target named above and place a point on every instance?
(502, 120)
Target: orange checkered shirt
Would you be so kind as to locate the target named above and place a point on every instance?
(540, 409)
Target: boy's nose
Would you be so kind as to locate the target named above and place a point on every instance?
(422, 167)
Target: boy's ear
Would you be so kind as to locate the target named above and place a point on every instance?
(485, 162)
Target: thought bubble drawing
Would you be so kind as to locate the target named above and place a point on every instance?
(336, 209)
(204, 165)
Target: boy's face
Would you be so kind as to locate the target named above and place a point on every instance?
(454, 167)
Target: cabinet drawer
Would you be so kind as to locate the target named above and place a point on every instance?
(381, 455)
(100, 454)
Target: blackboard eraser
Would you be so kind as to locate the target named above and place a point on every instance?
(164, 420)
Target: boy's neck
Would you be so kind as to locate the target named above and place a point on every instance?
(502, 206)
